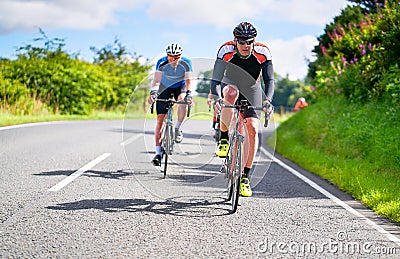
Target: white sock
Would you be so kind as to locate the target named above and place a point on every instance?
(158, 150)
(178, 124)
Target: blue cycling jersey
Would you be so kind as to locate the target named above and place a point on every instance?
(173, 77)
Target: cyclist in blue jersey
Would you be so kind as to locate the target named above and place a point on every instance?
(238, 69)
(171, 78)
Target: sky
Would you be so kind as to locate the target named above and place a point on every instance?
(145, 27)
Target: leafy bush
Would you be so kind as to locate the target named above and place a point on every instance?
(11, 91)
(67, 84)
(361, 60)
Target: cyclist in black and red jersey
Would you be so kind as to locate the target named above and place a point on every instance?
(238, 69)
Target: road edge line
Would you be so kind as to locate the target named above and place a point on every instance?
(332, 197)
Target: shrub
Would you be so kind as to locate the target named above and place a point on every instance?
(362, 60)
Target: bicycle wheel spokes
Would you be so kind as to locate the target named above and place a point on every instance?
(171, 139)
(235, 192)
(228, 169)
(167, 143)
(230, 186)
(237, 172)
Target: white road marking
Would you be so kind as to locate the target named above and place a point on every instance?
(78, 173)
(130, 140)
(329, 195)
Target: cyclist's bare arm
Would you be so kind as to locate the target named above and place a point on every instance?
(188, 75)
(188, 96)
(155, 83)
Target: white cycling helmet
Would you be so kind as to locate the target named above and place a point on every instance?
(174, 49)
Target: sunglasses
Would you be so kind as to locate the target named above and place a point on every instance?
(242, 41)
(174, 56)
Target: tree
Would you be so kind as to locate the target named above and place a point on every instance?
(348, 17)
(287, 91)
(204, 85)
(369, 5)
(115, 51)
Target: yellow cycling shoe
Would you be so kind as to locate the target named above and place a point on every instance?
(245, 189)
(222, 149)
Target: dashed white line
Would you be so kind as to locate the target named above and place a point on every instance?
(78, 173)
(329, 195)
(56, 188)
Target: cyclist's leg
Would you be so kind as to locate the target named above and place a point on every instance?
(161, 112)
(251, 140)
(250, 147)
(179, 95)
(254, 96)
(230, 93)
(157, 137)
(164, 93)
(157, 131)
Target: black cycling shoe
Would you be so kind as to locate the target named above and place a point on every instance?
(157, 160)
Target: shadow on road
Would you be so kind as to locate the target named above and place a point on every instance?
(194, 208)
(119, 174)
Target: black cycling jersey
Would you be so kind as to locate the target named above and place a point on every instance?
(245, 73)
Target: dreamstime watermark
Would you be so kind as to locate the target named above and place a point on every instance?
(338, 245)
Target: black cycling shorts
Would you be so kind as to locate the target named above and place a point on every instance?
(252, 99)
(248, 113)
(166, 93)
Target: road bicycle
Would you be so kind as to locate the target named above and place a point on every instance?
(233, 163)
(167, 131)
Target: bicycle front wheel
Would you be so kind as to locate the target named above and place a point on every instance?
(229, 168)
(165, 156)
(236, 175)
(168, 144)
(170, 139)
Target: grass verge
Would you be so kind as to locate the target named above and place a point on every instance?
(200, 111)
(354, 146)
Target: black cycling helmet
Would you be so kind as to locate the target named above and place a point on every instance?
(245, 30)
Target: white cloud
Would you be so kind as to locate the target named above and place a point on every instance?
(95, 14)
(311, 12)
(289, 57)
(224, 13)
(76, 14)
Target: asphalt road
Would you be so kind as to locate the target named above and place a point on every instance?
(87, 189)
